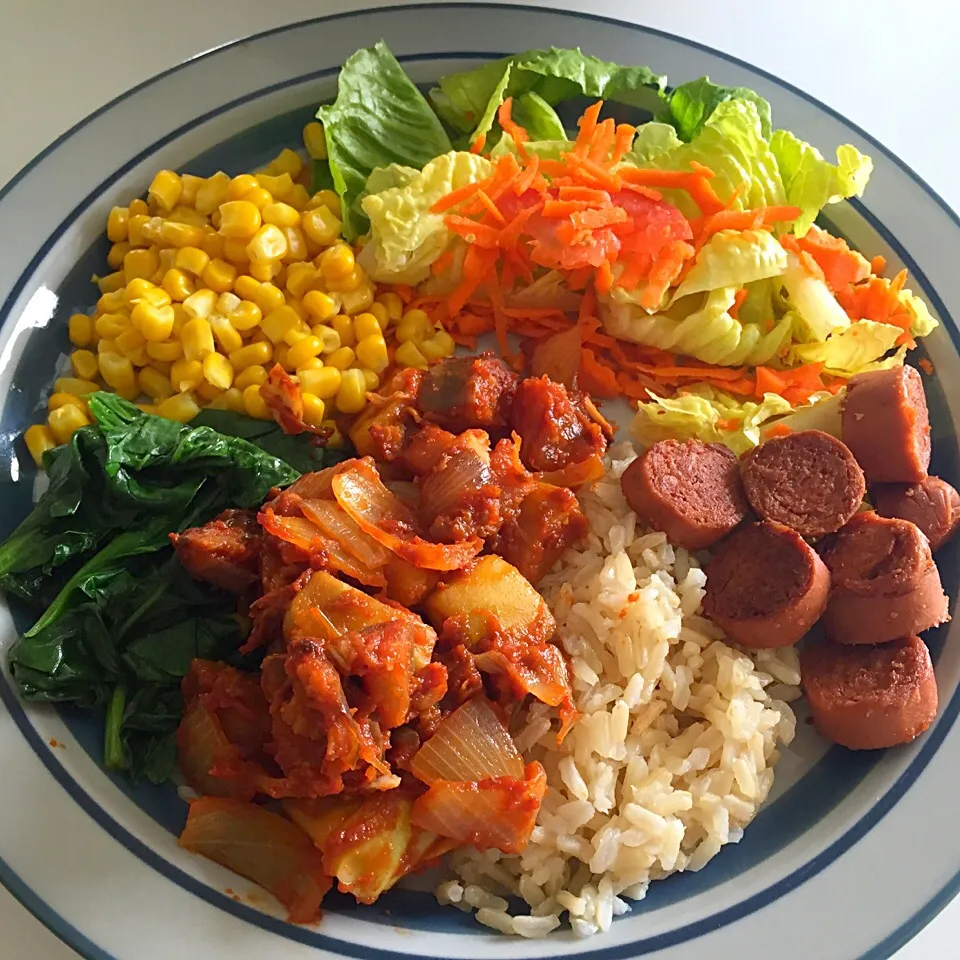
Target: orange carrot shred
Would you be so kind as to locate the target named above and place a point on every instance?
(926, 366)
(491, 208)
(622, 142)
(779, 430)
(602, 140)
(738, 299)
(478, 143)
(510, 127)
(878, 264)
(587, 124)
(442, 262)
(604, 278)
(526, 179)
(455, 197)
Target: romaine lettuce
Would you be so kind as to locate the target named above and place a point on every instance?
(691, 105)
(849, 351)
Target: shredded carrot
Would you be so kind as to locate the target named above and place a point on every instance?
(604, 281)
(878, 264)
(525, 181)
(442, 262)
(622, 142)
(839, 265)
(738, 299)
(602, 140)
(779, 430)
(595, 377)
(587, 124)
(769, 381)
(479, 142)
(404, 291)
(510, 127)
(596, 198)
(926, 366)
(732, 423)
(491, 208)
(697, 167)
(455, 197)
(480, 234)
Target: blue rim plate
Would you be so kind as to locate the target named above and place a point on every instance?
(855, 852)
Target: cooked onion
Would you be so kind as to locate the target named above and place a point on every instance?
(464, 471)
(360, 491)
(575, 474)
(470, 744)
(334, 521)
(558, 357)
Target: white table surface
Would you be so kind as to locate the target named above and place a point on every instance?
(891, 68)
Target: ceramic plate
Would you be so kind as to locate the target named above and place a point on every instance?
(849, 858)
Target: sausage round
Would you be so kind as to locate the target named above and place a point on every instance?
(885, 583)
(932, 504)
(807, 480)
(688, 490)
(886, 425)
(870, 697)
(766, 587)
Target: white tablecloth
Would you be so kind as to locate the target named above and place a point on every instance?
(888, 66)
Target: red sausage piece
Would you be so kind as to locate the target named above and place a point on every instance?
(807, 480)
(866, 698)
(688, 490)
(885, 583)
(766, 587)
(932, 504)
(886, 425)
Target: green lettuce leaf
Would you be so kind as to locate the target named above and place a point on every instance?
(923, 322)
(821, 412)
(405, 237)
(732, 258)
(811, 182)
(689, 106)
(815, 305)
(652, 140)
(378, 118)
(537, 117)
(849, 351)
(469, 101)
(704, 413)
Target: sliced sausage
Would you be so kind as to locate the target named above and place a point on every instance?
(688, 490)
(886, 425)
(766, 586)
(932, 504)
(870, 697)
(807, 480)
(885, 583)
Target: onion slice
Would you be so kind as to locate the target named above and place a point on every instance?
(360, 491)
(336, 523)
(470, 744)
(558, 357)
(575, 474)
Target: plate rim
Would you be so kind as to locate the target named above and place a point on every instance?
(45, 913)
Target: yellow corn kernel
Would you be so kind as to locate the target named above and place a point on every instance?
(144, 291)
(298, 197)
(189, 216)
(323, 382)
(217, 371)
(366, 325)
(152, 228)
(276, 323)
(393, 304)
(328, 336)
(315, 140)
(181, 235)
(246, 287)
(280, 214)
(154, 323)
(344, 327)
(117, 224)
(439, 346)
(150, 408)
(131, 344)
(280, 352)
(319, 305)
(231, 399)
(304, 350)
(408, 355)
(79, 388)
(296, 245)
(415, 326)
(186, 374)
(80, 328)
(212, 245)
(142, 263)
(379, 312)
(166, 352)
(111, 303)
(371, 379)
(288, 161)
(191, 260)
(254, 404)
(338, 263)
(292, 337)
(84, 364)
(352, 395)
(268, 297)
(255, 375)
(189, 185)
(182, 408)
(240, 219)
(328, 199)
(355, 279)
(259, 353)
(259, 197)
(241, 185)
(138, 207)
(58, 400)
(178, 284)
(211, 193)
(314, 364)
(279, 185)
(208, 393)
(111, 325)
(321, 226)
(165, 189)
(39, 440)
(235, 252)
(135, 235)
(219, 275)
(268, 246)
(197, 338)
(227, 302)
(224, 333)
(301, 278)
(65, 421)
(313, 409)
(117, 372)
(154, 384)
(116, 254)
(356, 301)
(200, 304)
(106, 345)
(112, 282)
(246, 317)
(342, 359)
(266, 272)
(372, 353)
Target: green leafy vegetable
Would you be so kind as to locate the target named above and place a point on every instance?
(848, 351)
(378, 118)
(469, 101)
(537, 117)
(123, 628)
(689, 106)
(810, 297)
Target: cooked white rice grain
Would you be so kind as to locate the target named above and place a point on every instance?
(674, 750)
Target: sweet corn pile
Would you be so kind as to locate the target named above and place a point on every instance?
(214, 280)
